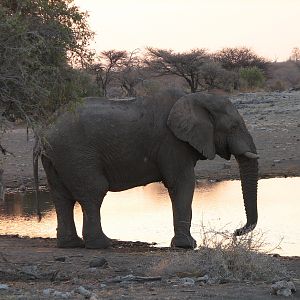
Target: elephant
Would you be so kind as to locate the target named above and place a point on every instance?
(113, 145)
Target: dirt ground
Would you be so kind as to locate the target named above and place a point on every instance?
(30, 267)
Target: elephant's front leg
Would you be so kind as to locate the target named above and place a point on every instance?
(181, 193)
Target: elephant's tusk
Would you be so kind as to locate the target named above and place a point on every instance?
(251, 155)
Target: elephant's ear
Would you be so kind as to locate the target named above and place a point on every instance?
(191, 123)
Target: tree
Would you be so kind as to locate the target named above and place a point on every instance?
(212, 74)
(186, 65)
(252, 77)
(131, 73)
(235, 58)
(107, 65)
(295, 56)
(40, 43)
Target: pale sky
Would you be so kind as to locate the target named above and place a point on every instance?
(270, 27)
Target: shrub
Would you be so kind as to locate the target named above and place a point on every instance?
(224, 258)
(251, 78)
(277, 86)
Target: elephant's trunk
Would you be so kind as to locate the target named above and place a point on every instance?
(249, 176)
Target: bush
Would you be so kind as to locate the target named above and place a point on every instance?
(283, 75)
(251, 78)
(277, 86)
(41, 42)
(224, 258)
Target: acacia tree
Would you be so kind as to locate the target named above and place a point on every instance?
(186, 64)
(106, 67)
(131, 73)
(233, 59)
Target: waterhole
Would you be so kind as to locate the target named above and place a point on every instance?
(145, 213)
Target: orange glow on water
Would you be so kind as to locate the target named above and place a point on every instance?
(145, 213)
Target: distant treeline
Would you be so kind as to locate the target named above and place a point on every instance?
(46, 61)
(123, 73)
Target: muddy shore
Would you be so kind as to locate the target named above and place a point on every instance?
(30, 267)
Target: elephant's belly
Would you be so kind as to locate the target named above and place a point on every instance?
(124, 178)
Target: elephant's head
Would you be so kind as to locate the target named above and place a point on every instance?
(212, 125)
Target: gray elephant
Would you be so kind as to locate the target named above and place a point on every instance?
(114, 145)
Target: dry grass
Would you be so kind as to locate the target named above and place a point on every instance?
(224, 258)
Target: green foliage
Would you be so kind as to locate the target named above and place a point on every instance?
(251, 77)
(234, 59)
(41, 43)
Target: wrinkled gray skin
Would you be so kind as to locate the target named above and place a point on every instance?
(109, 145)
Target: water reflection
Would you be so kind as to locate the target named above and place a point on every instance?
(145, 213)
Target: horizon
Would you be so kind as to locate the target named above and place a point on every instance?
(172, 24)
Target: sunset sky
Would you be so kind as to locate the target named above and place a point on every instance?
(270, 27)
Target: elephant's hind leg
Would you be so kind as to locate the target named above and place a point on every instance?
(64, 205)
(90, 199)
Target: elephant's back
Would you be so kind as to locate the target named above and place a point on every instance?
(97, 119)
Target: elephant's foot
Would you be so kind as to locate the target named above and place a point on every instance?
(74, 242)
(100, 243)
(183, 241)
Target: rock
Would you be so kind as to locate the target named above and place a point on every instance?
(3, 287)
(57, 294)
(22, 297)
(98, 262)
(60, 258)
(30, 270)
(130, 278)
(103, 285)
(94, 297)
(283, 288)
(92, 269)
(284, 292)
(48, 292)
(84, 292)
(187, 281)
(62, 295)
(204, 278)
(22, 188)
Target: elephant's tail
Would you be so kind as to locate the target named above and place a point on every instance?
(36, 154)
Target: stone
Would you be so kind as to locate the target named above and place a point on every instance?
(60, 258)
(98, 262)
(30, 270)
(94, 297)
(22, 188)
(204, 278)
(283, 288)
(4, 287)
(48, 292)
(62, 295)
(92, 270)
(284, 292)
(84, 292)
(187, 281)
